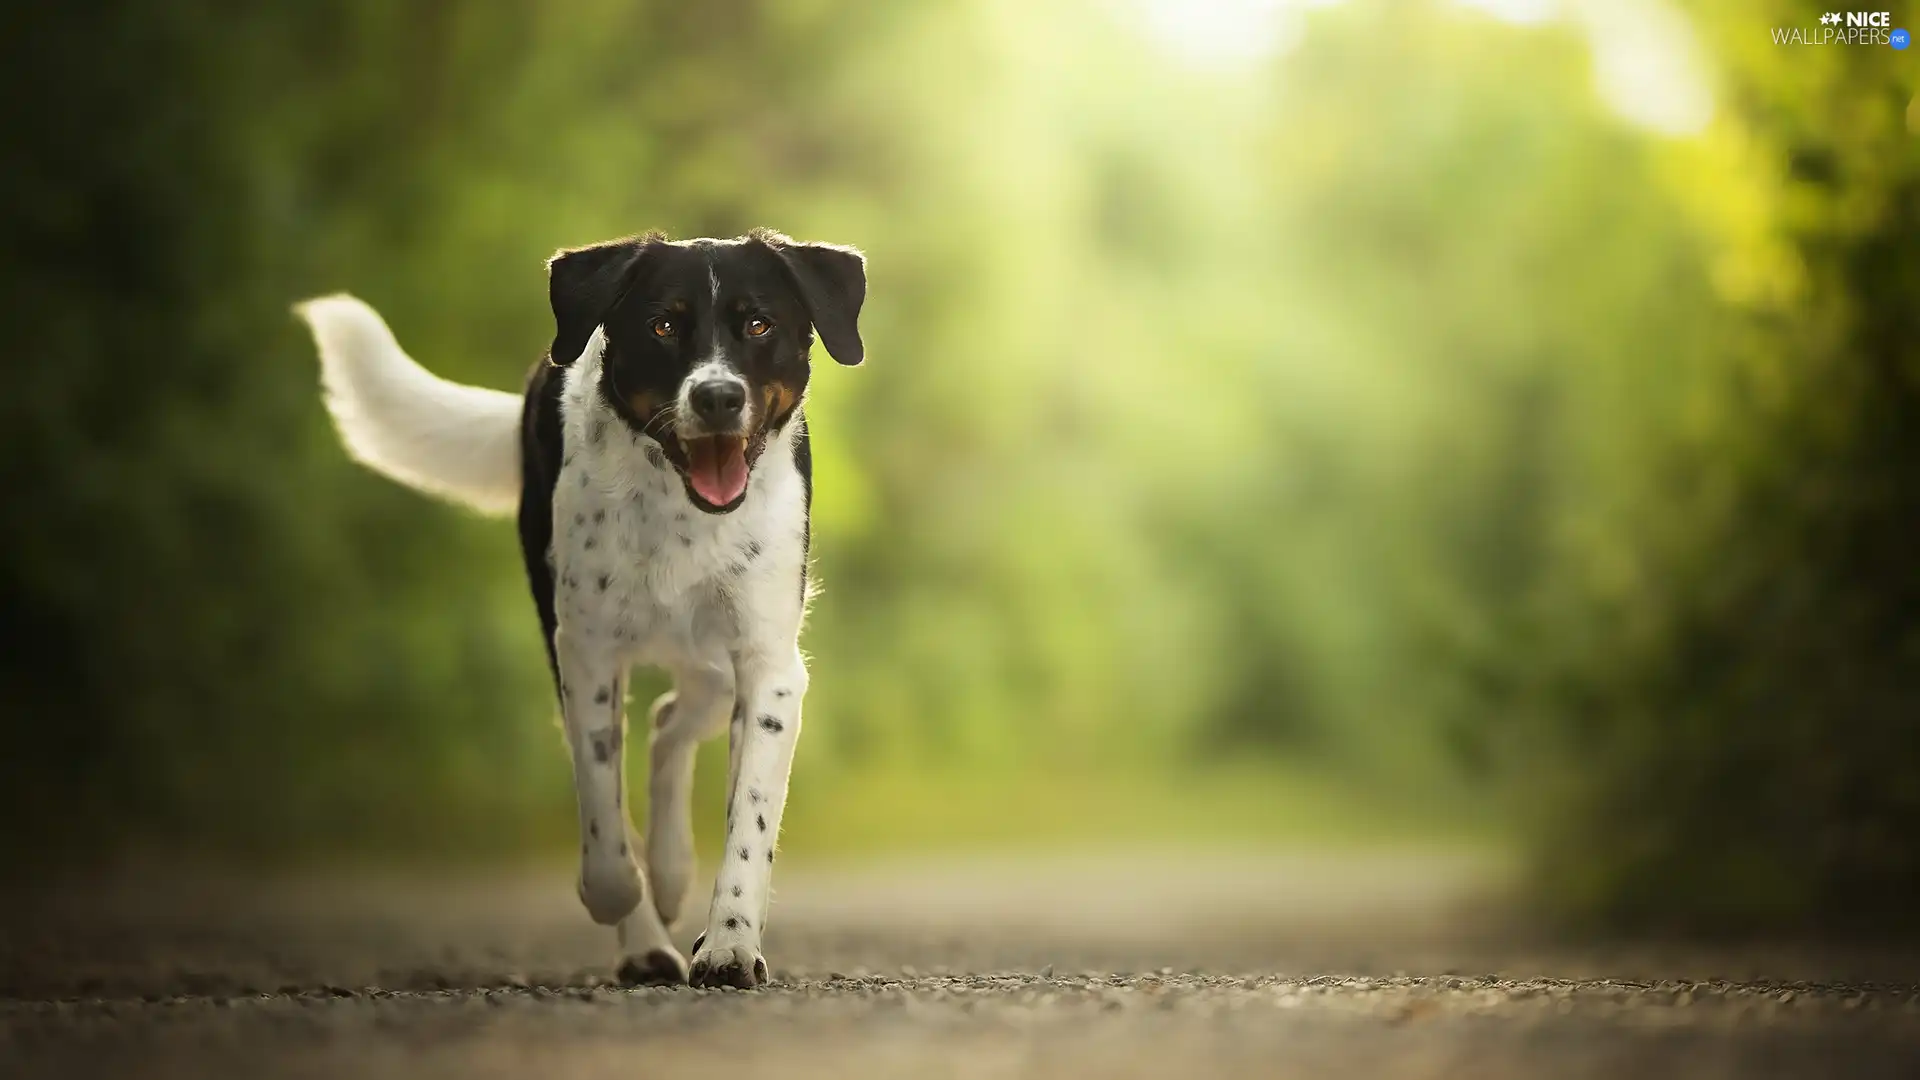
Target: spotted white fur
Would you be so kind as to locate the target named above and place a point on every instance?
(640, 577)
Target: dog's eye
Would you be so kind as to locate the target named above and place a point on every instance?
(758, 327)
(663, 327)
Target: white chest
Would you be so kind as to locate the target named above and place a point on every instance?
(636, 566)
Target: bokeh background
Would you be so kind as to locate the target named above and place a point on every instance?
(1357, 423)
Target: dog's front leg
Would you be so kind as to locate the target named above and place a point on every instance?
(766, 726)
(593, 708)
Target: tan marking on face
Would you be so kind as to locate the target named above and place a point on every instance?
(780, 399)
(644, 404)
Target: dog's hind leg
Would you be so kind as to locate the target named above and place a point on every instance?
(612, 886)
(694, 711)
(648, 957)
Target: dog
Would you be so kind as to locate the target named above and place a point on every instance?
(660, 466)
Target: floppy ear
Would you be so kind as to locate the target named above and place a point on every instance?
(582, 284)
(833, 282)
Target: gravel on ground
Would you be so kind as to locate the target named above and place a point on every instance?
(1110, 966)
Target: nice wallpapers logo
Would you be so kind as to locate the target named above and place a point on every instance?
(1846, 28)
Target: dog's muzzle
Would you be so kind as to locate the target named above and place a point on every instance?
(715, 442)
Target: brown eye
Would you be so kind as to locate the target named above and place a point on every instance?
(758, 327)
(662, 327)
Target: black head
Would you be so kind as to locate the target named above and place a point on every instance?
(708, 340)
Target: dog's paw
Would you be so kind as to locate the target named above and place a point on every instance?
(739, 965)
(659, 967)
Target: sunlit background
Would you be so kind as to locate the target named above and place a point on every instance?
(1488, 423)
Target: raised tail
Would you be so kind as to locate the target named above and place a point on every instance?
(399, 419)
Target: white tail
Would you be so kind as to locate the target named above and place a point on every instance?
(401, 420)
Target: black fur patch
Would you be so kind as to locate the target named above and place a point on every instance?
(541, 450)
(803, 463)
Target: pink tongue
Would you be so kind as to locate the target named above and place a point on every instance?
(717, 468)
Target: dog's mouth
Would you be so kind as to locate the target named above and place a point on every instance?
(717, 470)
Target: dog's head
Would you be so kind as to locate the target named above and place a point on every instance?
(707, 341)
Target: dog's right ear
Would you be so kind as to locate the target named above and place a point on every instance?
(582, 285)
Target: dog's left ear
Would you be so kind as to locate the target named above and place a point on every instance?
(833, 282)
(582, 284)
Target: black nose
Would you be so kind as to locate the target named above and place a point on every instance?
(718, 401)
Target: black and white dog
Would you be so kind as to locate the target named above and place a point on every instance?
(660, 465)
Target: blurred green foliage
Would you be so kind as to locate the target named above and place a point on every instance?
(1728, 677)
(1384, 416)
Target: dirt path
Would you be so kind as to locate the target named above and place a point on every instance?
(1142, 966)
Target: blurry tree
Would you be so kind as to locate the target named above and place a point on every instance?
(1733, 701)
